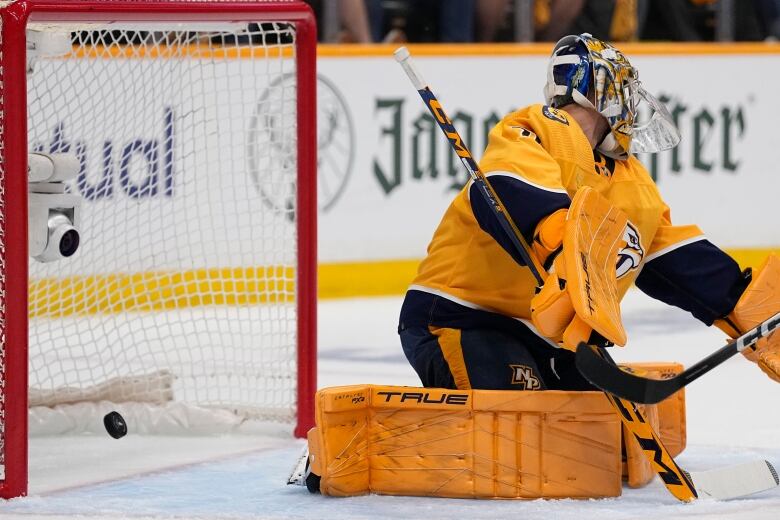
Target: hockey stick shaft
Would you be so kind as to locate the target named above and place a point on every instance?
(610, 378)
(744, 341)
(674, 478)
(403, 57)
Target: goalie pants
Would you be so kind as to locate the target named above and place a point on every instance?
(489, 359)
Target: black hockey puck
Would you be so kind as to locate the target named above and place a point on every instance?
(115, 425)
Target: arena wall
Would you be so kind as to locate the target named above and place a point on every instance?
(386, 174)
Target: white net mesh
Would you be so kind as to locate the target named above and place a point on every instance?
(183, 286)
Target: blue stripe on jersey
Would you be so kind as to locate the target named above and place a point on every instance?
(697, 277)
(423, 309)
(526, 204)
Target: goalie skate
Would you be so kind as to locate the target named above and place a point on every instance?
(301, 469)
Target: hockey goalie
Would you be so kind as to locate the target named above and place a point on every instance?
(504, 411)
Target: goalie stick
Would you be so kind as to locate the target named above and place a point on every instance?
(605, 374)
(730, 481)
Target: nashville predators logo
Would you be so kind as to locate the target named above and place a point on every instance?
(524, 376)
(555, 115)
(631, 254)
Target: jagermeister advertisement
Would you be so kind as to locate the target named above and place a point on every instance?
(386, 174)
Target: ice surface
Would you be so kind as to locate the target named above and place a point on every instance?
(732, 418)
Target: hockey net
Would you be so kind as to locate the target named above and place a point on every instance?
(189, 303)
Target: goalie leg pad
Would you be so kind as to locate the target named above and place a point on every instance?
(465, 443)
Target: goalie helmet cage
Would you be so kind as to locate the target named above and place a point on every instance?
(224, 273)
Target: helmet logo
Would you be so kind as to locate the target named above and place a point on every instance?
(579, 75)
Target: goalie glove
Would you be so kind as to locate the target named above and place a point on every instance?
(579, 301)
(760, 301)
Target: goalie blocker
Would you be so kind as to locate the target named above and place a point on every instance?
(481, 443)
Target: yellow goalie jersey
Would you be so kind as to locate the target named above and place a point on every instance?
(536, 160)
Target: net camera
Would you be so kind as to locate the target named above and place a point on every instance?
(53, 214)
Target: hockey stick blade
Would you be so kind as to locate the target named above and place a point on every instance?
(613, 379)
(736, 481)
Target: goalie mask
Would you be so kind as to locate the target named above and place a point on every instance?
(592, 73)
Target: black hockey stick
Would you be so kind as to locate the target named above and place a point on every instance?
(605, 374)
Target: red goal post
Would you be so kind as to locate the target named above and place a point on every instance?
(295, 285)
